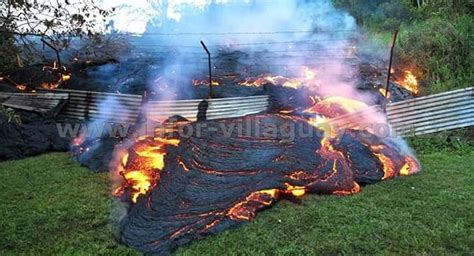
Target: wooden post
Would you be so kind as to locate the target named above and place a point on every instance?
(394, 39)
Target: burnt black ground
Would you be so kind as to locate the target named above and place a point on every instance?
(36, 135)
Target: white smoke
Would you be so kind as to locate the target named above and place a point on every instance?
(282, 35)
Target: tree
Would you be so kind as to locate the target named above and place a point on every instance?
(161, 7)
(58, 21)
(50, 18)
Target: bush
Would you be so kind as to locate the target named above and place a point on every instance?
(8, 52)
(457, 141)
(440, 50)
(378, 15)
(389, 16)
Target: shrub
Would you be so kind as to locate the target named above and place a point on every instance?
(440, 50)
(459, 141)
(8, 52)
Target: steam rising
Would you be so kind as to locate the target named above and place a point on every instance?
(280, 37)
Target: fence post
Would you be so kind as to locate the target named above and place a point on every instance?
(394, 39)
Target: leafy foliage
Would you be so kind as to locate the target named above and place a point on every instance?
(57, 21)
(435, 37)
(441, 51)
(58, 18)
(9, 52)
(10, 115)
(459, 141)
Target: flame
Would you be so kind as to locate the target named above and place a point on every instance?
(383, 92)
(197, 82)
(323, 124)
(286, 112)
(65, 77)
(153, 156)
(21, 87)
(49, 86)
(294, 83)
(350, 105)
(79, 139)
(125, 159)
(409, 82)
(410, 167)
(328, 151)
(60, 71)
(174, 142)
(254, 82)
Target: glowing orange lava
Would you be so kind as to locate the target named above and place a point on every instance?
(383, 92)
(334, 106)
(410, 167)
(245, 210)
(197, 82)
(139, 181)
(21, 87)
(308, 77)
(296, 191)
(140, 167)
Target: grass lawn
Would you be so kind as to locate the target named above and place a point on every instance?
(51, 205)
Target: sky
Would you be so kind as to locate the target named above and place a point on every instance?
(133, 16)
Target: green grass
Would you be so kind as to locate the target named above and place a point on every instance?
(50, 205)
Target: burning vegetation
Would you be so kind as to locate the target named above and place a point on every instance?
(409, 81)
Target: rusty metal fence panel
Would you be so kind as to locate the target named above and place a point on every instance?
(125, 108)
(434, 113)
(423, 115)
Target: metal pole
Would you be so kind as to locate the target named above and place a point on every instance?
(394, 39)
(210, 68)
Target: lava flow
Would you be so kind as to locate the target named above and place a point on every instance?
(179, 190)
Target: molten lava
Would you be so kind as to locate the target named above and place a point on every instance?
(335, 106)
(21, 87)
(183, 188)
(60, 72)
(269, 79)
(197, 82)
(141, 165)
(384, 92)
(308, 77)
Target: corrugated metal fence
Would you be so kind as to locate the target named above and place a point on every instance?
(125, 108)
(429, 114)
(423, 115)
